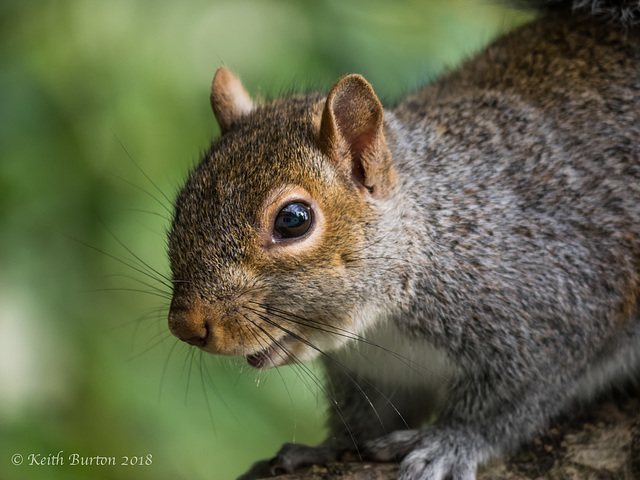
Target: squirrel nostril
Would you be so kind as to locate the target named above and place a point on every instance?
(188, 326)
(196, 341)
(199, 340)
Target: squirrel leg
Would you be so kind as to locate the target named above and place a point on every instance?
(477, 424)
(360, 412)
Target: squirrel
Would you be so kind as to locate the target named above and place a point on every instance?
(465, 265)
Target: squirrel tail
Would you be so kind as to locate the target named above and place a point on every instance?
(626, 12)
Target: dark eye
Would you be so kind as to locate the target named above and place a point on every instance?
(294, 220)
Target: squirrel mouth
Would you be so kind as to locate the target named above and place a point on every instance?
(272, 356)
(262, 358)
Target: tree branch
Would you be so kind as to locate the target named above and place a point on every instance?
(600, 442)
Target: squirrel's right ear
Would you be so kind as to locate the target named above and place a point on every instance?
(351, 135)
(229, 100)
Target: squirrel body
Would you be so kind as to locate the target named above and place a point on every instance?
(466, 265)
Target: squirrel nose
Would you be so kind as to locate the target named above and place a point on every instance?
(189, 326)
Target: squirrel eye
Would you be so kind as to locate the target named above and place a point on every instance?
(294, 220)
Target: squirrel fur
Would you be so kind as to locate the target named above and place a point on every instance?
(469, 262)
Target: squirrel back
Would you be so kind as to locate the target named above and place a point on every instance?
(480, 241)
(525, 164)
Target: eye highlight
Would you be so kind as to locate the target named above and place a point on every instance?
(293, 221)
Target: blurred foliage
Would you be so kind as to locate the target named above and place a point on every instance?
(103, 109)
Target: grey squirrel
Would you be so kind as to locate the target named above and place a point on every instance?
(466, 265)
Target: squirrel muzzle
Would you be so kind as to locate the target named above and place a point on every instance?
(207, 327)
(189, 326)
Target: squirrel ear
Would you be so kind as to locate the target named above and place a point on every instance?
(351, 135)
(229, 100)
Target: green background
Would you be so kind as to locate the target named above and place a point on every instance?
(103, 110)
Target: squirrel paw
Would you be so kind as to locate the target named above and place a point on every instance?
(292, 457)
(429, 454)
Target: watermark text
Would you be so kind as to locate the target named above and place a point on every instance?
(76, 459)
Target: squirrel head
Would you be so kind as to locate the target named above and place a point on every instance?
(270, 229)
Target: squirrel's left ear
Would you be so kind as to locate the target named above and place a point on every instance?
(229, 100)
(351, 135)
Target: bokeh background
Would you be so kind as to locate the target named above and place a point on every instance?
(103, 110)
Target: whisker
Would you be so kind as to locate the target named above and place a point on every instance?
(189, 360)
(304, 368)
(323, 327)
(381, 257)
(216, 389)
(166, 366)
(153, 314)
(350, 373)
(149, 285)
(143, 190)
(149, 212)
(135, 279)
(139, 260)
(380, 239)
(159, 190)
(159, 333)
(161, 294)
(284, 350)
(132, 266)
(148, 349)
(151, 347)
(284, 383)
(204, 391)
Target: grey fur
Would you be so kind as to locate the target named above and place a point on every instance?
(525, 165)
